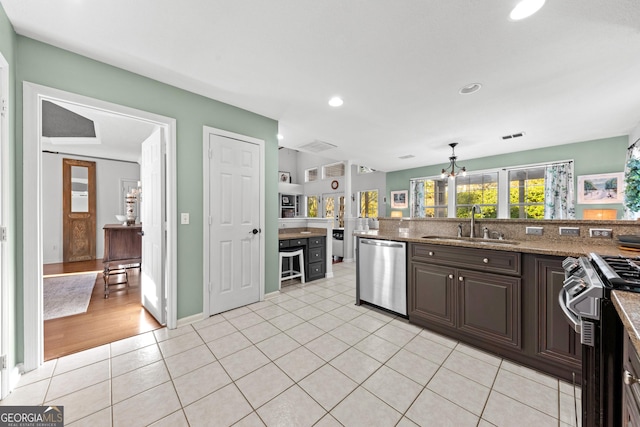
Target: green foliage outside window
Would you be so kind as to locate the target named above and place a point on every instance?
(369, 204)
(632, 190)
(312, 206)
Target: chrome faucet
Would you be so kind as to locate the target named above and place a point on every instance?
(474, 209)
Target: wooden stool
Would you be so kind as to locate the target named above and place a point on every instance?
(291, 273)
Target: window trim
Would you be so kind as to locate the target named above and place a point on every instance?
(503, 186)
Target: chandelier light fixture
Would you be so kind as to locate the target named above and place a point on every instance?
(452, 173)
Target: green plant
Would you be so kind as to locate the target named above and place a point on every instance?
(632, 181)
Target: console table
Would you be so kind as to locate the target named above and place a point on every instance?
(122, 250)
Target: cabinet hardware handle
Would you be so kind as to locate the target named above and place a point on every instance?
(486, 260)
(451, 276)
(461, 279)
(430, 253)
(629, 378)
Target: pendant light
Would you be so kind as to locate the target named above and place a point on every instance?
(451, 173)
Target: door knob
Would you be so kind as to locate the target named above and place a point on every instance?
(141, 233)
(255, 231)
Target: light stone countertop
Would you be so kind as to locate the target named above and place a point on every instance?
(627, 305)
(542, 247)
(301, 233)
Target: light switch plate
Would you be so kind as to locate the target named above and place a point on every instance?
(537, 231)
(184, 218)
(569, 231)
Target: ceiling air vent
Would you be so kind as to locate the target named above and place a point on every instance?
(317, 146)
(513, 135)
(408, 156)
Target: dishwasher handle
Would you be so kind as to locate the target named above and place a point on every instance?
(382, 243)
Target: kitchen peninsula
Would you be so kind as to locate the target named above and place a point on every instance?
(498, 295)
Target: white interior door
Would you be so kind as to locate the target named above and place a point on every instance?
(234, 218)
(153, 225)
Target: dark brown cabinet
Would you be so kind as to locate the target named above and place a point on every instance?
(489, 307)
(631, 391)
(500, 301)
(556, 343)
(477, 304)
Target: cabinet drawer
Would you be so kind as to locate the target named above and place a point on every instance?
(479, 259)
(297, 242)
(316, 270)
(315, 254)
(284, 244)
(315, 242)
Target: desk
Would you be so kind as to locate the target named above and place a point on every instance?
(122, 249)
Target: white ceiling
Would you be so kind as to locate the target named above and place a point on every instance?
(118, 137)
(569, 73)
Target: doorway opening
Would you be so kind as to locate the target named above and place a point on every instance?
(34, 95)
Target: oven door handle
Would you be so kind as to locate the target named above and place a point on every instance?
(571, 318)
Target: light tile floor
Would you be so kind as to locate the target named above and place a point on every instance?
(307, 356)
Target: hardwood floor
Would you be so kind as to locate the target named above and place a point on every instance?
(106, 320)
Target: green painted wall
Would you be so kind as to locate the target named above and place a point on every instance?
(8, 46)
(591, 157)
(49, 66)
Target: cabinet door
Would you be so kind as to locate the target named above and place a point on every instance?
(489, 307)
(556, 338)
(432, 293)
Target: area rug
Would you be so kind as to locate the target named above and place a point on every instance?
(67, 295)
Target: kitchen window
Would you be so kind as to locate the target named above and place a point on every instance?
(513, 192)
(477, 189)
(429, 198)
(526, 193)
(369, 204)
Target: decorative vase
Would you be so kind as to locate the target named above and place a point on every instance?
(131, 203)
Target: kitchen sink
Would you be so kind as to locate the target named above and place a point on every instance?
(478, 240)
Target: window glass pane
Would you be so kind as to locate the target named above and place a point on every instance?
(311, 175)
(312, 206)
(429, 198)
(329, 207)
(477, 189)
(334, 170)
(526, 193)
(369, 204)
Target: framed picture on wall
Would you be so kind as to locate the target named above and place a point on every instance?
(399, 199)
(284, 176)
(602, 188)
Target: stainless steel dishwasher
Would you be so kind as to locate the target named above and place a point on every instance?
(382, 274)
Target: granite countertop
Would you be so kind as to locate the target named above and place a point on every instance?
(541, 247)
(627, 305)
(301, 233)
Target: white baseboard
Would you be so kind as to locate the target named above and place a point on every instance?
(190, 319)
(271, 294)
(348, 259)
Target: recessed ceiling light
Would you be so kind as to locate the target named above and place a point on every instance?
(525, 9)
(470, 88)
(280, 137)
(336, 101)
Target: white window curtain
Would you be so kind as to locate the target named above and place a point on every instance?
(633, 153)
(559, 201)
(417, 193)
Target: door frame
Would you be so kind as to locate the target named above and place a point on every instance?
(33, 94)
(206, 169)
(7, 287)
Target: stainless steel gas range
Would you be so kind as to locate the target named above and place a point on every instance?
(586, 302)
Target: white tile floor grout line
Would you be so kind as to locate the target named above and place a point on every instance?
(407, 353)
